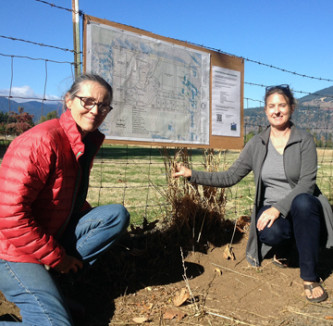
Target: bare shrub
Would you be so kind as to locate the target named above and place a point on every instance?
(195, 210)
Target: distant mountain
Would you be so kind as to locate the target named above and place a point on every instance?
(35, 108)
(322, 99)
(313, 112)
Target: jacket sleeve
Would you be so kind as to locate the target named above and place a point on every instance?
(306, 182)
(25, 169)
(238, 170)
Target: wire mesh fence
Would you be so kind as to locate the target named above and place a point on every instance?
(137, 176)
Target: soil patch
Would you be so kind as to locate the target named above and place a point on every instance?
(139, 281)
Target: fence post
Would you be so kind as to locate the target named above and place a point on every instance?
(76, 36)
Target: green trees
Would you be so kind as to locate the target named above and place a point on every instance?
(248, 136)
(49, 116)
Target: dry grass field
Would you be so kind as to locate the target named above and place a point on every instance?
(138, 178)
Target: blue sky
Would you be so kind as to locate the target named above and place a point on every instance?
(295, 35)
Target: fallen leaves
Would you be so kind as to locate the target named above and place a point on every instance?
(140, 320)
(228, 253)
(145, 309)
(243, 224)
(218, 271)
(174, 314)
(180, 297)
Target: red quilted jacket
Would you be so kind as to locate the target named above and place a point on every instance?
(38, 180)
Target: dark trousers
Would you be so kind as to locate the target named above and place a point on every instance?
(304, 223)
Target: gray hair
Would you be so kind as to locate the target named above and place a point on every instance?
(75, 88)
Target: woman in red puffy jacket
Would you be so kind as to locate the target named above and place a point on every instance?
(45, 221)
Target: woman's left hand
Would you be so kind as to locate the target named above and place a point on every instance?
(267, 218)
(69, 264)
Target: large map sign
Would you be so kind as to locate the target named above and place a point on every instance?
(161, 90)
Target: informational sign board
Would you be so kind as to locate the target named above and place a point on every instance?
(166, 92)
(226, 102)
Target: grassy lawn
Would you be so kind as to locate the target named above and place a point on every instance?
(137, 177)
(325, 172)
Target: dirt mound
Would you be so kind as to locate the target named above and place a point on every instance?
(153, 278)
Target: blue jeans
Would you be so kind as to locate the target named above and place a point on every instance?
(305, 224)
(32, 288)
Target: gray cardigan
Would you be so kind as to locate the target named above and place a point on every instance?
(300, 163)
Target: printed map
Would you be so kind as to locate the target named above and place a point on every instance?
(161, 90)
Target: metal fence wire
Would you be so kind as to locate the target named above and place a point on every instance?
(136, 176)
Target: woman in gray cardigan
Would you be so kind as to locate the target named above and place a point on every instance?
(288, 204)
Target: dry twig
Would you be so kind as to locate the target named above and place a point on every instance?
(229, 318)
(231, 270)
(197, 311)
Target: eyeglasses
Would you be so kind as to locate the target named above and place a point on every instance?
(89, 103)
(283, 87)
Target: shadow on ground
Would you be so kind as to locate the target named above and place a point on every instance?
(145, 257)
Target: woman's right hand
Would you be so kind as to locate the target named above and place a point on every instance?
(267, 218)
(181, 171)
(69, 264)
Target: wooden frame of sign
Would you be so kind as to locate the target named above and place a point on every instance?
(217, 59)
